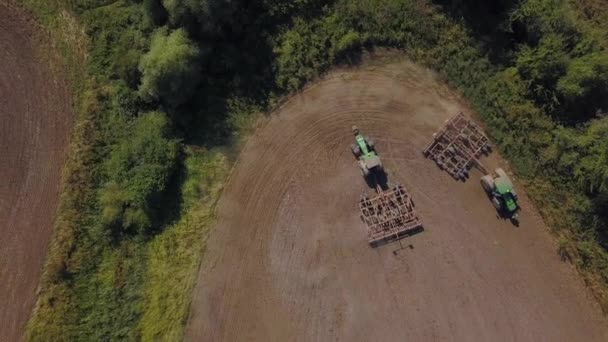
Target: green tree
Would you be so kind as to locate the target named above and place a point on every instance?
(139, 168)
(585, 75)
(592, 170)
(583, 153)
(541, 17)
(584, 88)
(170, 70)
(191, 14)
(542, 66)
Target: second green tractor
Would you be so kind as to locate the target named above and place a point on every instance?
(500, 189)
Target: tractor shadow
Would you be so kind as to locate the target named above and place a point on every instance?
(377, 178)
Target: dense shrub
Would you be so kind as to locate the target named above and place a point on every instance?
(139, 168)
(170, 70)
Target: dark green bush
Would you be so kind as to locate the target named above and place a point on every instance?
(170, 70)
(138, 169)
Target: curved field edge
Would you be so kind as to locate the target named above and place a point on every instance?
(498, 98)
(67, 46)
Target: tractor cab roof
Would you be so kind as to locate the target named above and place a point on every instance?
(502, 186)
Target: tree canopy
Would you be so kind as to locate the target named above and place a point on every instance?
(171, 69)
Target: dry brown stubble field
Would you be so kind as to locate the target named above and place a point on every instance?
(35, 124)
(289, 261)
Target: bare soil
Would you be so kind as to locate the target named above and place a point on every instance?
(35, 122)
(289, 259)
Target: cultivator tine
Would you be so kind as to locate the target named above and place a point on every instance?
(457, 145)
(388, 215)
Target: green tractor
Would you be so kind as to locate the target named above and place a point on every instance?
(365, 152)
(500, 189)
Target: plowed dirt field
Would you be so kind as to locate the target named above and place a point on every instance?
(35, 121)
(289, 260)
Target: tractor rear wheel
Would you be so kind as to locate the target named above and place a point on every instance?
(487, 183)
(515, 219)
(363, 168)
(486, 149)
(356, 150)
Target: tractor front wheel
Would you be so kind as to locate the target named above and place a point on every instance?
(372, 144)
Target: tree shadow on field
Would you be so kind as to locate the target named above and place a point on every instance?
(241, 65)
(236, 66)
(237, 63)
(354, 56)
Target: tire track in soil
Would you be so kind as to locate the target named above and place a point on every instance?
(35, 122)
(289, 261)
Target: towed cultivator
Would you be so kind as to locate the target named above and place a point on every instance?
(457, 145)
(456, 148)
(389, 215)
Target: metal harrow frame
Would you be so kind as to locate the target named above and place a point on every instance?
(457, 145)
(389, 215)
